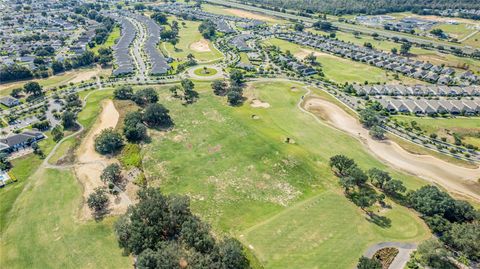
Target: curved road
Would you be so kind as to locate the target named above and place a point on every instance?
(404, 251)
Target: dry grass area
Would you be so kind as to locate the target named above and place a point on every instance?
(250, 15)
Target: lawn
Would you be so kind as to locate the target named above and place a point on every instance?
(43, 223)
(38, 215)
(473, 41)
(457, 31)
(189, 37)
(467, 128)
(439, 58)
(280, 198)
(215, 9)
(343, 70)
(205, 72)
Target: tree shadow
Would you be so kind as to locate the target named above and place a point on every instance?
(381, 221)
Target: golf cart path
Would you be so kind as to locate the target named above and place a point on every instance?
(456, 179)
(404, 251)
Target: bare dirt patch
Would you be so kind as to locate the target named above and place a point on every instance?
(458, 180)
(200, 46)
(305, 52)
(250, 15)
(90, 164)
(84, 76)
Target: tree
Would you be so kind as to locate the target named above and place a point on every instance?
(231, 253)
(4, 162)
(219, 87)
(311, 59)
(69, 119)
(174, 90)
(156, 115)
(394, 187)
(160, 18)
(188, 93)
(394, 50)
(236, 77)
(437, 32)
(133, 129)
(369, 117)
(234, 98)
(16, 92)
(366, 263)
(111, 173)
(465, 237)
(341, 164)
(123, 92)
(365, 198)
(405, 48)
(145, 96)
(98, 202)
(323, 25)
(57, 67)
(207, 29)
(33, 88)
(378, 177)
(377, 132)
(433, 254)
(298, 27)
(108, 142)
(57, 133)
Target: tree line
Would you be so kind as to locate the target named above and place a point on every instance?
(338, 7)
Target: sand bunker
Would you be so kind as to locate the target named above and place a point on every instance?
(90, 164)
(250, 15)
(458, 180)
(200, 46)
(259, 104)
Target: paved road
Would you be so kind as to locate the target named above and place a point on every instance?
(404, 251)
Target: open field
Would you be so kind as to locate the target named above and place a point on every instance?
(342, 70)
(191, 41)
(245, 180)
(240, 13)
(74, 76)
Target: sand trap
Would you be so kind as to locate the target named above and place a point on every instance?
(90, 164)
(250, 15)
(259, 104)
(458, 180)
(200, 46)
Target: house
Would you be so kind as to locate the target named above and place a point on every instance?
(4, 178)
(9, 101)
(19, 141)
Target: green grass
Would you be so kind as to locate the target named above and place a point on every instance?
(131, 156)
(188, 35)
(205, 73)
(473, 41)
(457, 31)
(38, 216)
(342, 70)
(435, 124)
(43, 223)
(114, 35)
(280, 198)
